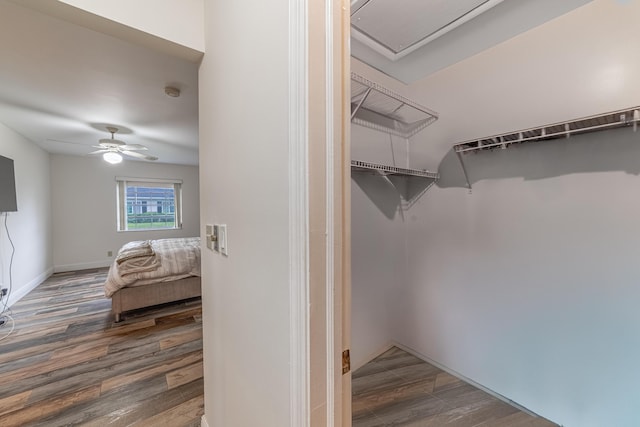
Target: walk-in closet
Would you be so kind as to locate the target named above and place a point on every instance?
(494, 222)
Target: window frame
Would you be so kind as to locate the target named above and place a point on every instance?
(121, 200)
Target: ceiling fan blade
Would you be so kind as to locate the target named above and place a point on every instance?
(139, 155)
(133, 147)
(98, 152)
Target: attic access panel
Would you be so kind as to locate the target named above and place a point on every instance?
(378, 108)
(395, 29)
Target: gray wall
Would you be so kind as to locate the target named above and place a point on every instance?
(529, 285)
(31, 226)
(84, 209)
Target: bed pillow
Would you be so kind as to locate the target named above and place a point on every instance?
(137, 249)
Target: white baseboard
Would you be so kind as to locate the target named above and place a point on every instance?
(81, 266)
(18, 294)
(203, 422)
(355, 366)
(465, 379)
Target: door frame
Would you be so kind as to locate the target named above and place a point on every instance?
(319, 209)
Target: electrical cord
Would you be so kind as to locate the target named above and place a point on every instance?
(5, 298)
(13, 251)
(13, 324)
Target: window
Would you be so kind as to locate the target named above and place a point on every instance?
(148, 204)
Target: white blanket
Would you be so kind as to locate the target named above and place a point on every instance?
(172, 259)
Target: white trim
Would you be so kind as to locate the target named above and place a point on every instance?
(81, 266)
(465, 379)
(18, 294)
(155, 180)
(203, 421)
(299, 403)
(122, 185)
(177, 202)
(329, 215)
(393, 56)
(121, 205)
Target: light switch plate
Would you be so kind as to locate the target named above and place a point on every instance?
(222, 239)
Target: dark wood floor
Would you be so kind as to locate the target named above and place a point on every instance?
(67, 363)
(399, 389)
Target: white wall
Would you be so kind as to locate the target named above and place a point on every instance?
(244, 145)
(528, 285)
(178, 21)
(378, 264)
(378, 253)
(30, 227)
(83, 191)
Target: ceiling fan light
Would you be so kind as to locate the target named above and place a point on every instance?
(112, 157)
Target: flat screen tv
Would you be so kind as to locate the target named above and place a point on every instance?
(7, 186)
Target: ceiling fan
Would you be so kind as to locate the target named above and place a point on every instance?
(112, 149)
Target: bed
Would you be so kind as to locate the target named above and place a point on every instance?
(151, 272)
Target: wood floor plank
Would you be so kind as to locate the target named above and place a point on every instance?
(51, 365)
(184, 375)
(131, 360)
(79, 317)
(130, 377)
(53, 313)
(116, 405)
(18, 308)
(75, 350)
(77, 376)
(138, 402)
(178, 416)
(13, 402)
(177, 339)
(25, 334)
(56, 339)
(24, 416)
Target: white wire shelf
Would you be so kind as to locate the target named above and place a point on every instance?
(361, 166)
(612, 120)
(628, 117)
(379, 108)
